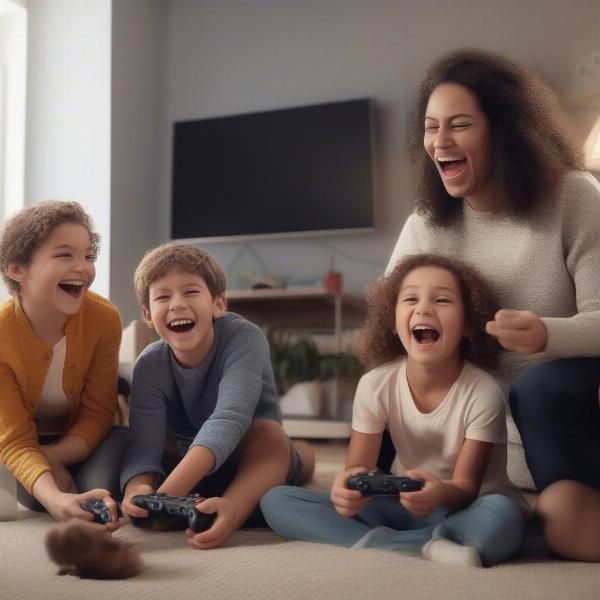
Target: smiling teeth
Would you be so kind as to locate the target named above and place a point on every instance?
(425, 334)
(181, 322)
(449, 158)
(72, 282)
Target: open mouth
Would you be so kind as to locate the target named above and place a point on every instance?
(425, 335)
(73, 288)
(452, 166)
(181, 325)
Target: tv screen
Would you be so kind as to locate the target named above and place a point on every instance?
(294, 171)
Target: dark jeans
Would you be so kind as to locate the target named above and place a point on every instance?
(555, 407)
(101, 470)
(218, 481)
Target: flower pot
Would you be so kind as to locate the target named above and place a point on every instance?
(303, 399)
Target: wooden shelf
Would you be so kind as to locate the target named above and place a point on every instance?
(285, 294)
(298, 308)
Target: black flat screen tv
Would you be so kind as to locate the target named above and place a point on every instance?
(290, 172)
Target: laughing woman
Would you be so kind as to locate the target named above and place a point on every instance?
(59, 347)
(501, 185)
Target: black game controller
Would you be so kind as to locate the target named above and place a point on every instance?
(171, 513)
(100, 511)
(370, 483)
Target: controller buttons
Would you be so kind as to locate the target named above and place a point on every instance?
(386, 485)
(363, 486)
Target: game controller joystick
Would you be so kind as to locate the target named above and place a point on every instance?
(372, 483)
(100, 511)
(171, 513)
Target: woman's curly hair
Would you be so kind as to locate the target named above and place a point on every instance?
(380, 344)
(532, 144)
(26, 231)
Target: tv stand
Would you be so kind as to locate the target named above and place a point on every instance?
(312, 309)
(301, 308)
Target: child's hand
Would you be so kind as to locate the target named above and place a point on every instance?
(221, 529)
(132, 490)
(68, 506)
(424, 501)
(347, 502)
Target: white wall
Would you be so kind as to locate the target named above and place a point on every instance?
(13, 56)
(237, 56)
(69, 111)
(137, 102)
(94, 123)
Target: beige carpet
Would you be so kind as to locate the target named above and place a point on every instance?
(259, 565)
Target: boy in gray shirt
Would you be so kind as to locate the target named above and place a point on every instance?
(210, 383)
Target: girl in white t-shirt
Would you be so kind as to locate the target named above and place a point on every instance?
(424, 335)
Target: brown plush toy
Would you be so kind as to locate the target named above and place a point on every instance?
(89, 551)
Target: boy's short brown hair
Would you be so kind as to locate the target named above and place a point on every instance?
(26, 231)
(158, 262)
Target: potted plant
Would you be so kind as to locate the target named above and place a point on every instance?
(310, 384)
(297, 368)
(340, 374)
(295, 362)
(342, 365)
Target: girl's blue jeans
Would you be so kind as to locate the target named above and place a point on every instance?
(494, 524)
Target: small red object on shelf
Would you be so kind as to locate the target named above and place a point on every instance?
(332, 280)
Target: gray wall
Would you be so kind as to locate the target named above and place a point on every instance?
(237, 56)
(107, 79)
(137, 99)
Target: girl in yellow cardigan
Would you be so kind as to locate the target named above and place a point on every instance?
(59, 346)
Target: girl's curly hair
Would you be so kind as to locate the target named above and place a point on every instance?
(27, 230)
(380, 344)
(532, 144)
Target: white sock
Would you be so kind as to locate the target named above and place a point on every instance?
(444, 551)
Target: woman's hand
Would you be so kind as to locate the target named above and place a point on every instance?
(426, 500)
(221, 529)
(518, 330)
(62, 475)
(347, 502)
